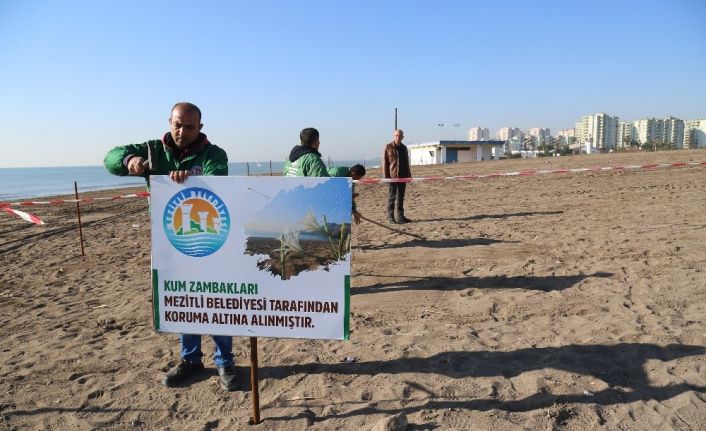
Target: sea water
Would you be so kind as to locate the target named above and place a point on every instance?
(22, 183)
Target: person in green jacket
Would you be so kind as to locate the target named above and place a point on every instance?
(356, 172)
(305, 160)
(182, 152)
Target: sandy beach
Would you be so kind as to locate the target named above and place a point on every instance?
(555, 302)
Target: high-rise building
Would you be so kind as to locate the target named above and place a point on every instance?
(645, 130)
(537, 131)
(578, 132)
(565, 135)
(600, 130)
(626, 134)
(695, 134)
(513, 138)
(668, 130)
(540, 136)
(673, 132)
(478, 134)
(507, 133)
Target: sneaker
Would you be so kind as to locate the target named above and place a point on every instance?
(228, 379)
(182, 372)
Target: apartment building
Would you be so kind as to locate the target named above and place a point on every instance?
(626, 134)
(567, 133)
(666, 130)
(540, 136)
(695, 134)
(507, 133)
(600, 130)
(478, 134)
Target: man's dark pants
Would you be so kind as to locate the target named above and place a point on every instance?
(395, 200)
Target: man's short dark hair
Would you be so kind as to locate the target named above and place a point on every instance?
(187, 107)
(309, 136)
(358, 170)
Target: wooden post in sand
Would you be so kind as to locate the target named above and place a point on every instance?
(255, 419)
(78, 214)
(270, 167)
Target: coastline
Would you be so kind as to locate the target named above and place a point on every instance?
(487, 167)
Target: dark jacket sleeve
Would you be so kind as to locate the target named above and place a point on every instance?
(409, 163)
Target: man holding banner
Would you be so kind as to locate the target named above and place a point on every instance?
(182, 152)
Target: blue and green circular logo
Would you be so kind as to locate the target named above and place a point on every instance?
(196, 222)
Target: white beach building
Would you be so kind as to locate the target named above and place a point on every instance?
(438, 152)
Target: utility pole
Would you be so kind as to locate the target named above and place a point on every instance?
(395, 118)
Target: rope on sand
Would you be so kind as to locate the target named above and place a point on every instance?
(401, 232)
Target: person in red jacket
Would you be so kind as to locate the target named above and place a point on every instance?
(395, 164)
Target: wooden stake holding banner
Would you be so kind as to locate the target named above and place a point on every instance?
(254, 383)
(78, 214)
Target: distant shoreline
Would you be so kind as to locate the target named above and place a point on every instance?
(35, 182)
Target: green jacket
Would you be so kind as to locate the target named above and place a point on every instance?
(304, 162)
(339, 171)
(209, 160)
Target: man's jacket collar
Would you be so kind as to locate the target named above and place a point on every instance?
(181, 154)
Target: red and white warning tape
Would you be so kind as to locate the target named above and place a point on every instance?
(23, 215)
(73, 201)
(5, 206)
(531, 173)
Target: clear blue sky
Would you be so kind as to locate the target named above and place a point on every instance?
(79, 77)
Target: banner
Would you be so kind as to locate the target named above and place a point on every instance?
(252, 256)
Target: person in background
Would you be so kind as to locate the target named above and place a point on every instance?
(304, 159)
(395, 164)
(356, 172)
(182, 152)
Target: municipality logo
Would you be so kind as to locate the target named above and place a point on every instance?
(196, 222)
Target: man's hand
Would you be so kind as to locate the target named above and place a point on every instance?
(356, 217)
(136, 165)
(178, 176)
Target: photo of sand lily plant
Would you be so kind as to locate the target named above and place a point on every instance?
(306, 229)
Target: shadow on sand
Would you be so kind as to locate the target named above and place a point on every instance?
(621, 366)
(544, 284)
(492, 216)
(441, 243)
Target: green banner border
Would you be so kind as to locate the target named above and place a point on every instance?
(347, 308)
(155, 299)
